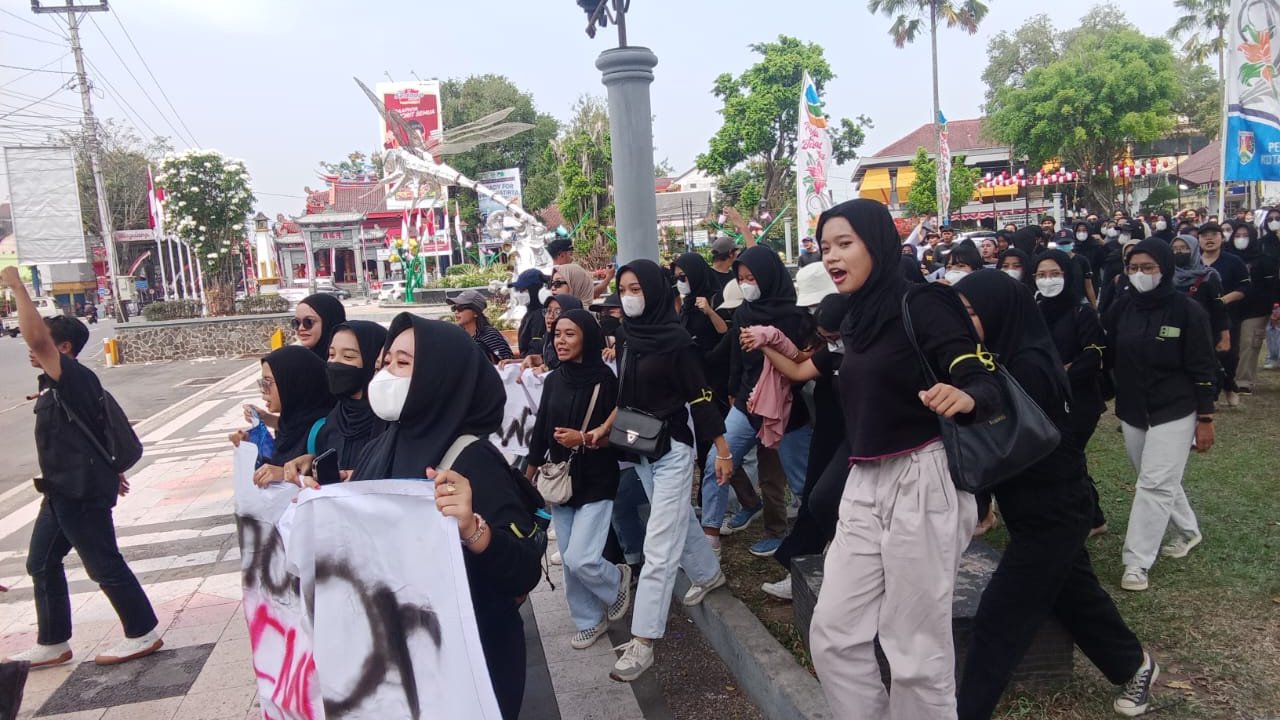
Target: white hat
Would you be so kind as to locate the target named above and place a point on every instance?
(812, 284)
(732, 295)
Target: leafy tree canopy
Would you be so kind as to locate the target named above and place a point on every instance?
(208, 201)
(922, 198)
(125, 158)
(584, 156)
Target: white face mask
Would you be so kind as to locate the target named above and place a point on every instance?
(633, 305)
(544, 295)
(683, 287)
(750, 291)
(387, 394)
(1240, 241)
(1273, 225)
(520, 297)
(836, 347)
(1112, 232)
(954, 276)
(1050, 287)
(1124, 238)
(1143, 282)
(1082, 236)
(1015, 273)
(1161, 225)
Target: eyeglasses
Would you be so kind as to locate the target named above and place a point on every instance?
(553, 313)
(559, 283)
(682, 277)
(305, 323)
(1144, 268)
(264, 384)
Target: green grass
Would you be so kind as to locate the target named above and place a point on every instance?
(1212, 619)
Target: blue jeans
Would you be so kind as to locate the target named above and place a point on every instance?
(629, 516)
(673, 540)
(793, 451)
(590, 581)
(62, 524)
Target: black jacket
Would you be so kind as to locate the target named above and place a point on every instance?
(594, 471)
(1080, 342)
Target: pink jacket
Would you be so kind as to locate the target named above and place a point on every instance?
(771, 397)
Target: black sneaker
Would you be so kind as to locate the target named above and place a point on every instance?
(1135, 698)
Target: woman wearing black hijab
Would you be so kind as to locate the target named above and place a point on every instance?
(557, 305)
(1160, 348)
(1017, 265)
(770, 300)
(660, 375)
(1045, 568)
(911, 269)
(435, 387)
(898, 555)
(1078, 337)
(700, 294)
(596, 590)
(295, 390)
(1261, 294)
(314, 320)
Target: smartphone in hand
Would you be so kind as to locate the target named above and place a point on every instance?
(325, 467)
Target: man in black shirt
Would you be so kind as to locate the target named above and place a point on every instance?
(723, 252)
(808, 253)
(79, 490)
(1235, 283)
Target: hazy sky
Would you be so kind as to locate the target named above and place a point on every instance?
(269, 81)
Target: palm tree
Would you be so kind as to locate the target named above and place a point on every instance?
(909, 17)
(1203, 24)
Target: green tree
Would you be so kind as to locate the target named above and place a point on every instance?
(474, 97)
(910, 18)
(208, 200)
(922, 198)
(1011, 55)
(356, 164)
(584, 155)
(125, 158)
(761, 112)
(1199, 100)
(1202, 26)
(1108, 89)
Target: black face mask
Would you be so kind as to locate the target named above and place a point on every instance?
(344, 380)
(610, 324)
(1182, 259)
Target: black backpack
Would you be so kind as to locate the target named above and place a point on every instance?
(123, 449)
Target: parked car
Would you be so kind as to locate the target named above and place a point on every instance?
(328, 288)
(293, 295)
(10, 329)
(47, 306)
(391, 290)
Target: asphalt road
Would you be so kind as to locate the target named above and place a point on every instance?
(142, 391)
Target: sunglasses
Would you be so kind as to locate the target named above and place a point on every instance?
(305, 323)
(559, 283)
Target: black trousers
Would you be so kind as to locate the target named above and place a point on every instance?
(1083, 429)
(1045, 570)
(62, 524)
(815, 523)
(1230, 359)
(501, 632)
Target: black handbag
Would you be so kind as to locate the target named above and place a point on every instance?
(637, 432)
(983, 454)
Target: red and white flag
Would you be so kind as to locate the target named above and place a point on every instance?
(155, 204)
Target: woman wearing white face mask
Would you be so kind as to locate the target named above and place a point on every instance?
(964, 259)
(436, 388)
(1077, 335)
(527, 290)
(1166, 379)
(1260, 294)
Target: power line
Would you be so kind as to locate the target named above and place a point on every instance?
(28, 37)
(42, 67)
(137, 82)
(54, 103)
(119, 97)
(35, 70)
(147, 67)
(34, 25)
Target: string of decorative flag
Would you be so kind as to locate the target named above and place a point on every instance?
(1062, 175)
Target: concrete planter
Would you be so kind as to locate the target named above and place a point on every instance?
(222, 337)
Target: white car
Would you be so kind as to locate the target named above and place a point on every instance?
(293, 295)
(391, 290)
(47, 307)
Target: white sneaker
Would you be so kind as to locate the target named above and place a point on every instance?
(780, 589)
(1135, 696)
(556, 559)
(41, 656)
(1181, 547)
(586, 638)
(635, 659)
(1134, 579)
(1233, 399)
(131, 649)
(697, 592)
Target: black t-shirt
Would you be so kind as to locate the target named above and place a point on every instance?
(808, 258)
(69, 463)
(1084, 271)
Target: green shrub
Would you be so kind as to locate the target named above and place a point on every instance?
(262, 305)
(462, 269)
(171, 310)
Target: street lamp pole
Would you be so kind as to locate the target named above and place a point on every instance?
(627, 72)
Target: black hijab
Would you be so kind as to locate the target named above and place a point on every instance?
(590, 369)
(1054, 308)
(1028, 266)
(879, 300)
(967, 254)
(1025, 239)
(702, 284)
(455, 391)
(910, 267)
(657, 330)
(332, 314)
(565, 302)
(777, 291)
(304, 398)
(1160, 251)
(831, 312)
(353, 420)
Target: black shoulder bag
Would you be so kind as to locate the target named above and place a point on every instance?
(123, 449)
(983, 454)
(637, 432)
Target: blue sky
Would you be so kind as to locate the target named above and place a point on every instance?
(270, 81)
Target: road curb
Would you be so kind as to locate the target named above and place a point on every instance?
(764, 669)
(143, 427)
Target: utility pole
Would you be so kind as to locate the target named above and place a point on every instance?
(74, 14)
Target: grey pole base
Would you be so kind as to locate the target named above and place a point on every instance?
(627, 73)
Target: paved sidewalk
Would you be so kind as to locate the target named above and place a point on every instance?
(177, 529)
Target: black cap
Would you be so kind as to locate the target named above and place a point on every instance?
(612, 300)
(1210, 227)
(528, 280)
(559, 245)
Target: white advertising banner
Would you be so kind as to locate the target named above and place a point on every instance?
(357, 602)
(506, 183)
(45, 201)
(524, 395)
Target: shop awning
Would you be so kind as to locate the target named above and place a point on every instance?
(877, 183)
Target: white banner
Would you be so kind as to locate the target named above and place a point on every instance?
(45, 202)
(389, 630)
(813, 155)
(523, 399)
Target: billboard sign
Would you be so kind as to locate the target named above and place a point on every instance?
(417, 102)
(45, 202)
(505, 183)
